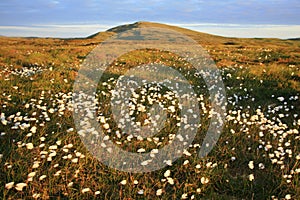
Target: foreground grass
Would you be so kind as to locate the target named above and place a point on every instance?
(257, 156)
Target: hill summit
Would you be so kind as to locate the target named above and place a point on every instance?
(198, 36)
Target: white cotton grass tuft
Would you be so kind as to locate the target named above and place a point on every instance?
(20, 186)
(168, 162)
(288, 197)
(251, 164)
(140, 192)
(85, 190)
(170, 180)
(123, 182)
(251, 177)
(167, 173)
(70, 184)
(42, 177)
(186, 162)
(159, 192)
(29, 146)
(204, 180)
(184, 196)
(9, 185)
(31, 174)
(36, 195)
(53, 147)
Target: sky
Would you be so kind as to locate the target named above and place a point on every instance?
(80, 18)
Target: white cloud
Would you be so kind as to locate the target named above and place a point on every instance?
(53, 3)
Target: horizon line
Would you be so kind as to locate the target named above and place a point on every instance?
(81, 30)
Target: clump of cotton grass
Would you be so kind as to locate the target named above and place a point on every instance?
(24, 72)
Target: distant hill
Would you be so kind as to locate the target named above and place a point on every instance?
(198, 36)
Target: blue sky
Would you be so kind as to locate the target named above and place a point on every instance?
(84, 17)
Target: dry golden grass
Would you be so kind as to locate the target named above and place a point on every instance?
(265, 70)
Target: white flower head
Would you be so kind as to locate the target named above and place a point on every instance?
(141, 192)
(70, 184)
(36, 195)
(167, 173)
(159, 192)
(42, 177)
(106, 126)
(288, 196)
(53, 147)
(84, 190)
(29, 146)
(261, 166)
(204, 180)
(170, 181)
(251, 177)
(184, 196)
(251, 165)
(20, 186)
(9, 185)
(32, 174)
(123, 182)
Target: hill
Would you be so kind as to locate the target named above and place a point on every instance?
(201, 37)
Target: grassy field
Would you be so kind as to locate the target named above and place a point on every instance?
(256, 157)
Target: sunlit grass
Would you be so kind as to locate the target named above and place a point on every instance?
(257, 156)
